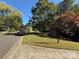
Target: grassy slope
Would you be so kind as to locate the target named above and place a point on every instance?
(50, 42)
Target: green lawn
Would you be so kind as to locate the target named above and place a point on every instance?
(45, 41)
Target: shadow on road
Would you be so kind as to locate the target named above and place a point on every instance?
(9, 33)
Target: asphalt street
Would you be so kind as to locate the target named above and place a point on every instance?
(6, 43)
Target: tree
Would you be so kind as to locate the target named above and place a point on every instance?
(66, 22)
(67, 26)
(14, 20)
(65, 5)
(42, 14)
(10, 17)
(5, 9)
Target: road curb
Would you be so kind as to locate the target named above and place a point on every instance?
(13, 50)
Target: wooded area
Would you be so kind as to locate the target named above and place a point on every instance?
(10, 18)
(58, 20)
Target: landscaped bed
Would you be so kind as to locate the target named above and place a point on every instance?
(45, 41)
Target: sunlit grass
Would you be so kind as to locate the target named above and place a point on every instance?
(50, 42)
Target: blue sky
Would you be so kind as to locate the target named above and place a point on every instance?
(24, 6)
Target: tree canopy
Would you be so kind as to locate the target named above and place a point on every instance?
(42, 14)
(10, 17)
(60, 20)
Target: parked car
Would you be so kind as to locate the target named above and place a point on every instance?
(20, 33)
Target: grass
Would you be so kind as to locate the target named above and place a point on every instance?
(45, 41)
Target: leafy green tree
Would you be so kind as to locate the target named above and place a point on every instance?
(14, 20)
(65, 5)
(42, 14)
(10, 17)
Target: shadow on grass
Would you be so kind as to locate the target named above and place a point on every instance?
(39, 34)
(58, 38)
(45, 35)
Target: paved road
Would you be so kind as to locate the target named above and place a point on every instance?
(6, 42)
(35, 52)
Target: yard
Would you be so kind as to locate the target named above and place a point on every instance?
(45, 41)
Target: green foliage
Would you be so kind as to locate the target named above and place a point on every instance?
(65, 5)
(61, 20)
(10, 17)
(42, 14)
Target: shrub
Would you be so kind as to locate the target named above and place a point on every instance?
(66, 25)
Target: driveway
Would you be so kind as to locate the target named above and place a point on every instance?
(6, 42)
(34, 52)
